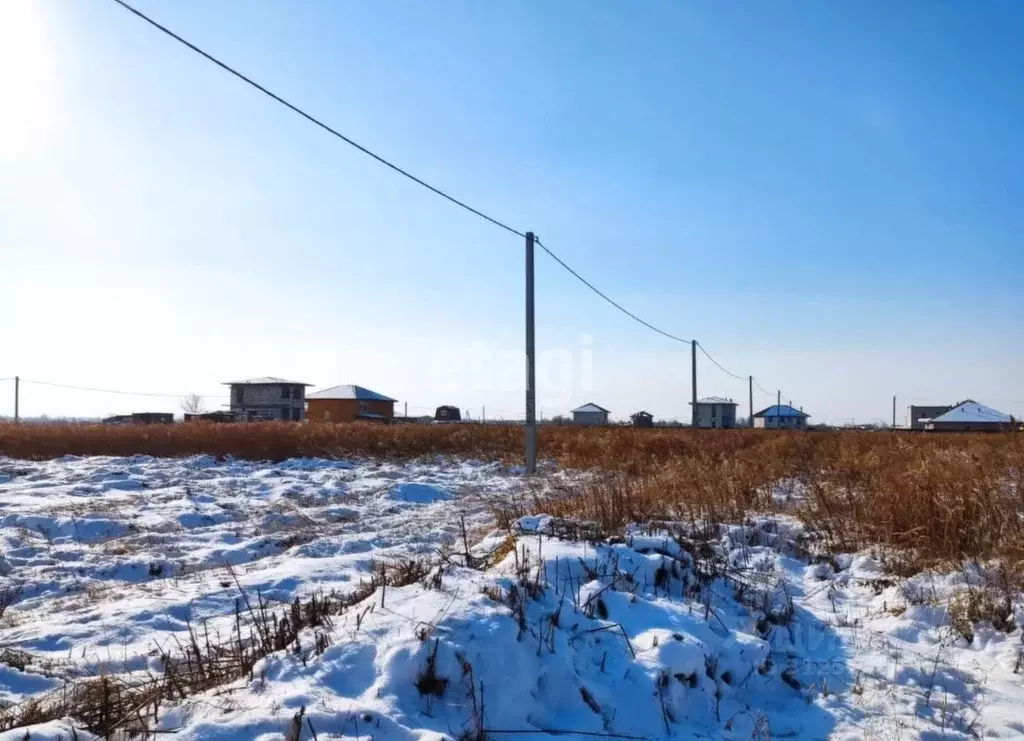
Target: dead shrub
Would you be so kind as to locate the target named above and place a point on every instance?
(971, 606)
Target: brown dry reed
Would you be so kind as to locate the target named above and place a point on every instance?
(940, 497)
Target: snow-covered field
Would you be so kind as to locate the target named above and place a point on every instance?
(108, 561)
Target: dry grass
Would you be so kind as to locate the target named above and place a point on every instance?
(129, 705)
(940, 497)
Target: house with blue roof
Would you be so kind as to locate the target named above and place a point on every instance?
(781, 417)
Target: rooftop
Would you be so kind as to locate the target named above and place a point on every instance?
(589, 407)
(715, 400)
(349, 391)
(781, 410)
(972, 411)
(265, 381)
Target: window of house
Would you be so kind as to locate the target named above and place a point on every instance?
(239, 394)
(286, 392)
(363, 407)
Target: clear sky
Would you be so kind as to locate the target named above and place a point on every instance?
(827, 195)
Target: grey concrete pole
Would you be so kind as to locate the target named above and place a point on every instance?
(531, 374)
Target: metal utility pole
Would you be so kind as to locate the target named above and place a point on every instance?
(406, 409)
(894, 413)
(750, 400)
(531, 373)
(483, 414)
(17, 388)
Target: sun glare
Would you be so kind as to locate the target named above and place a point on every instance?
(26, 76)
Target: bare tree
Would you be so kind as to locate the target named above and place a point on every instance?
(192, 404)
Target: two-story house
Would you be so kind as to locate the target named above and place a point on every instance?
(715, 412)
(268, 398)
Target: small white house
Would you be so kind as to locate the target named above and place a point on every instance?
(970, 416)
(590, 414)
(716, 412)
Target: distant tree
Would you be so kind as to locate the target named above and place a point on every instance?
(192, 404)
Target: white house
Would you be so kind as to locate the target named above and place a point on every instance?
(969, 415)
(590, 414)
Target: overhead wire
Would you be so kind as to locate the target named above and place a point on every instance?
(605, 296)
(720, 366)
(405, 173)
(317, 121)
(312, 119)
(113, 391)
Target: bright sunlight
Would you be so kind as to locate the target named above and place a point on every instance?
(26, 77)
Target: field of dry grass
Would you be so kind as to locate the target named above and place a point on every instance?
(935, 497)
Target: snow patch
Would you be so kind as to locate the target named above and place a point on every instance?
(419, 493)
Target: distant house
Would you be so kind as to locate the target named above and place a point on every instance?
(447, 413)
(268, 398)
(781, 416)
(218, 416)
(642, 419)
(590, 414)
(971, 416)
(716, 412)
(141, 418)
(919, 414)
(350, 403)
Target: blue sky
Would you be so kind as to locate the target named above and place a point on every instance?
(826, 195)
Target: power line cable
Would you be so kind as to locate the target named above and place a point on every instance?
(383, 161)
(720, 366)
(419, 181)
(318, 122)
(605, 296)
(113, 391)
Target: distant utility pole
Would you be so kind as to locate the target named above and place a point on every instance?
(894, 413)
(531, 374)
(483, 414)
(750, 400)
(406, 409)
(17, 388)
(693, 388)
